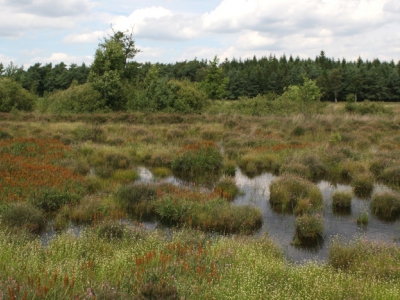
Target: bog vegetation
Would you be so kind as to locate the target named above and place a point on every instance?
(74, 158)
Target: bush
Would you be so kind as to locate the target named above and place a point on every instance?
(288, 190)
(309, 226)
(363, 185)
(341, 200)
(76, 99)
(296, 169)
(367, 107)
(24, 216)
(386, 205)
(198, 159)
(227, 188)
(13, 95)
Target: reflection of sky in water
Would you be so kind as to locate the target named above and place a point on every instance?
(280, 227)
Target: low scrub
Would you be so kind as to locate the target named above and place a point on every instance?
(254, 163)
(386, 205)
(288, 190)
(391, 176)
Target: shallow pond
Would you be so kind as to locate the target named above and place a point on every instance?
(280, 227)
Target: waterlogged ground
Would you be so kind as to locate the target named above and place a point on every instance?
(280, 227)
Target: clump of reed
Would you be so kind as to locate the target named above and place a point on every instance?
(136, 199)
(363, 185)
(226, 188)
(198, 159)
(386, 205)
(309, 228)
(210, 214)
(255, 163)
(287, 191)
(341, 201)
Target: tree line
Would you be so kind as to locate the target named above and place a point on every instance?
(116, 82)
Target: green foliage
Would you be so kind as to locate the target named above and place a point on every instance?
(76, 99)
(12, 95)
(305, 98)
(163, 95)
(214, 84)
(108, 69)
(5, 135)
(386, 205)
(158, 290)
(24, 216)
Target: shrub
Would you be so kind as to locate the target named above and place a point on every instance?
(309, 226)
(198, 159)
(341, 200)
(131, 195)
(363, 185)
(386, 205)
(229, 169)
(253, 164)
(227, 188)
(76, 99)
(286, 191)
(24, 216)
(367, 107)
(13, 95)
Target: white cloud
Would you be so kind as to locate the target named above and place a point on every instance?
(49, 8)
(90, 37)
(56, 58)
(5, 59)
(159, 23)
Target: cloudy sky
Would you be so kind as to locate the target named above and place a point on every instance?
(175, 30)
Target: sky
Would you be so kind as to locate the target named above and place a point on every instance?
(168, 31)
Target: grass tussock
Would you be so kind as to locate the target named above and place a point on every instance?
(287, 192)
(386, 205)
